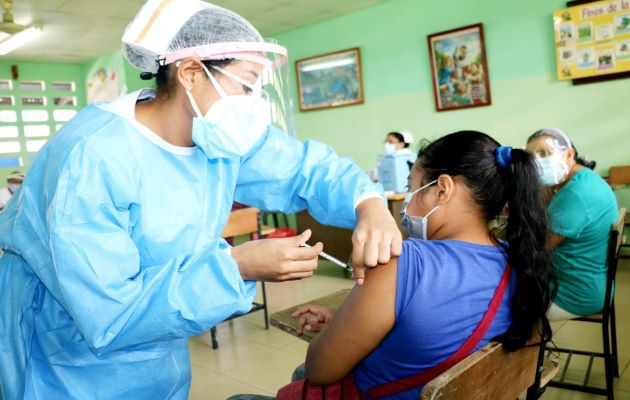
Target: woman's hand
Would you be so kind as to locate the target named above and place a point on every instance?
(277, 260)
(375, 239)
(312, 318)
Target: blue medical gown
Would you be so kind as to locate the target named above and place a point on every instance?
(114, 257)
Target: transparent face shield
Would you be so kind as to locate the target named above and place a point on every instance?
(550, 159)
(273, 83)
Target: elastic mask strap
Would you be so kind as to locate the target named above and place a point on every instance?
(193, 103)
(214, 81)
(255, 88)
(431, 212)
(416, 191)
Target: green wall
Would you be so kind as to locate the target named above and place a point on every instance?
(399, 94)
(49, 73)
(129, 77)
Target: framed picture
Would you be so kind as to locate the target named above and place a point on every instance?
(459, 68)
(330, 80)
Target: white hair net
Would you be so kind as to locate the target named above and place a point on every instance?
(165, 26)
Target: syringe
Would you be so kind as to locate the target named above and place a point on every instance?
(332, 259)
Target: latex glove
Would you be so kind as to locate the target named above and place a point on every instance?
(277, 260)
(312, 318)
(376, 237)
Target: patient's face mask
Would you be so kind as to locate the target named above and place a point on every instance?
(552, 169)
(234, 123)
(551, 159)
(416, 227)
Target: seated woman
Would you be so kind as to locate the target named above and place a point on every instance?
(581, 210)
(417, 310)
(398, 143)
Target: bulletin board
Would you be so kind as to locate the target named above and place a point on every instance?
(592, 39)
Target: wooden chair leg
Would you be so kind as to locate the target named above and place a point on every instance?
(613, 335)
(608, 364)
(265, 311)
(213, 334)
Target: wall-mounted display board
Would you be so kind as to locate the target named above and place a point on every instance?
(593, 39)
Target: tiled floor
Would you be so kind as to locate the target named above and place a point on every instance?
(251, 359)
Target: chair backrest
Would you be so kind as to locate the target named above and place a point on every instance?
(620, 175)
(614, 249)
(488, 374)
(242, 222)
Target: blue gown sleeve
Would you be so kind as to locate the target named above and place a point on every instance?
(283, 174)
(97, 274)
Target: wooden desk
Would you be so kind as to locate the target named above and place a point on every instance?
(394, 203)
(283, 320)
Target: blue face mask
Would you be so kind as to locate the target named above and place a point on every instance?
(552, 170)
(414, 226)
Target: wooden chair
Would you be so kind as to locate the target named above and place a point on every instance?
(607, 320)
(245, 221)
(494, 374)
(619, 176)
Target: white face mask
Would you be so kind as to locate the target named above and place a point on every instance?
(233, 124)
(389, 148)
(552, 169)
(13, 187)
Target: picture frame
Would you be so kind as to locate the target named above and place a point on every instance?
(459, 68)
(330, 80)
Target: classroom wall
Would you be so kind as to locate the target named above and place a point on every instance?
(398, 89)
(129, 77)
(48, 72)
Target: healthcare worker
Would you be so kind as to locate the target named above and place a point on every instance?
(106, 274)
(14, 181)
(398, 143)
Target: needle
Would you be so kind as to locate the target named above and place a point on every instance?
(332, 259)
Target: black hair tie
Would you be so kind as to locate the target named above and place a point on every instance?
(147, 76)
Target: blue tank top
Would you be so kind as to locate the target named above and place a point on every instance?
(443, 290)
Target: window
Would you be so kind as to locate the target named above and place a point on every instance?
(35, 115)
(36, 130)
(33, 101)
(63, 86)
(33, 85)
(7, 101)
(63, 115)
(9, 131)
(65, 101)
(58, 127)
(33, 146)
(6, 84)
(9, 147)
(8, 116)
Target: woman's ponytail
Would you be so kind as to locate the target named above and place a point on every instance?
(526, 235)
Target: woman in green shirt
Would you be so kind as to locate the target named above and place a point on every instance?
(581, 210)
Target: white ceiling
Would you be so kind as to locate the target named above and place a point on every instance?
(80, 30)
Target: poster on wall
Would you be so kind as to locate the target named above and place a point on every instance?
(103, 86)
(459, 68)
(330, 80)
(592, 39)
